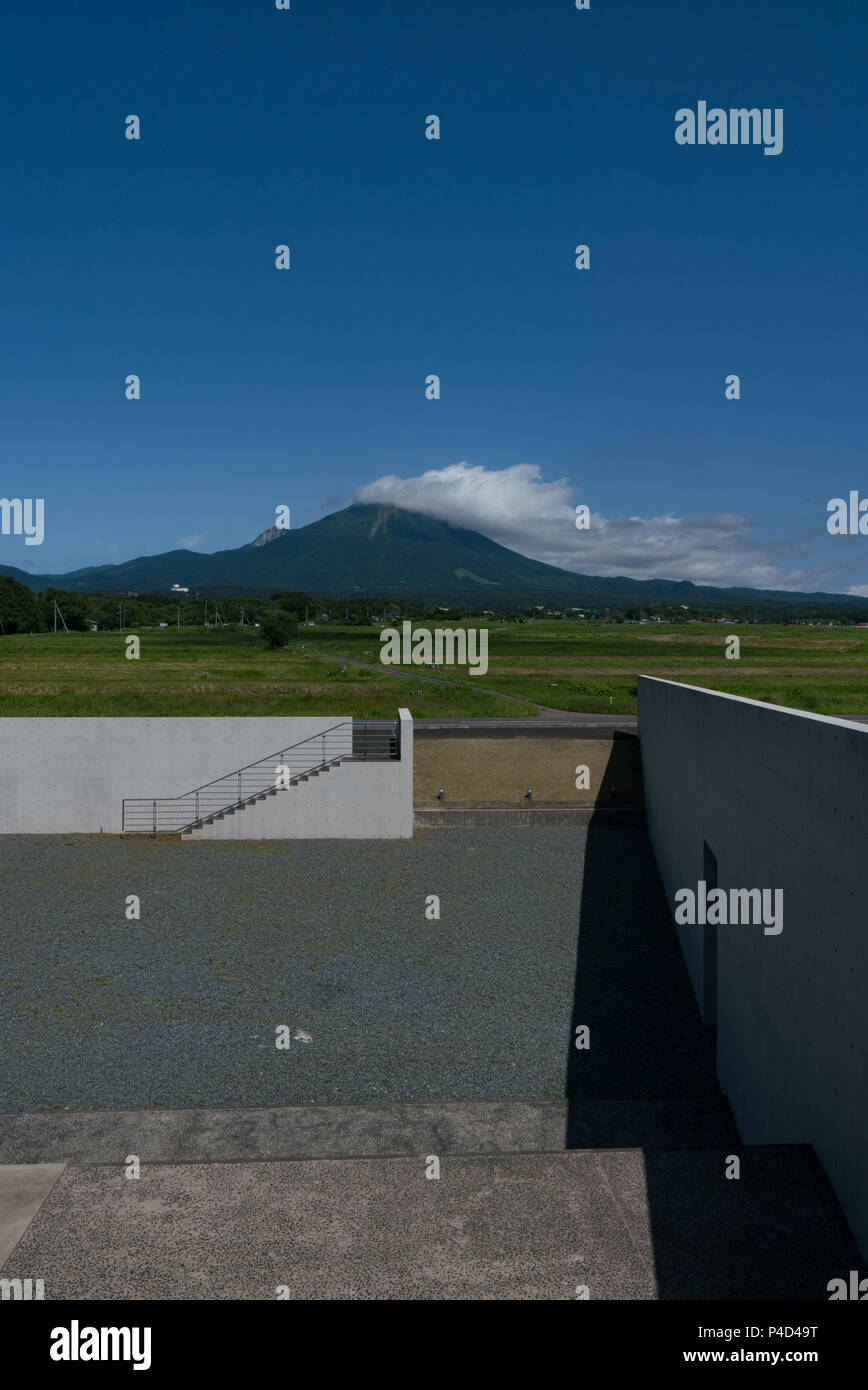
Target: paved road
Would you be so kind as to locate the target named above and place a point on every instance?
(550, 724)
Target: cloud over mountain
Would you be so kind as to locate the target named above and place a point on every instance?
(514, 507)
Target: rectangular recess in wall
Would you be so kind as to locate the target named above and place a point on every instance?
(709, 943)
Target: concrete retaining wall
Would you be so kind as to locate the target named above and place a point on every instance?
(71, 775)
(779, 798)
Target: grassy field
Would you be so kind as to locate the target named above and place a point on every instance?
(559, 665)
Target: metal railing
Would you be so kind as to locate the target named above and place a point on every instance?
(352, 740)
(376, 738)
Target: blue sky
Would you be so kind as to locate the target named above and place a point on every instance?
(455, 257)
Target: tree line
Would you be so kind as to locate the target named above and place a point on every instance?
(22, 610)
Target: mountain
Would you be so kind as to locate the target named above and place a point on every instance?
(388, 552)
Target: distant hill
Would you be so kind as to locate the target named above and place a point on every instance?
(389, 552)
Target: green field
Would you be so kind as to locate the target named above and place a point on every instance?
(570, 666)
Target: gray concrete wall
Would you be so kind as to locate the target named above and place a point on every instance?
(71, 775)
(355, 801)
(781, 799)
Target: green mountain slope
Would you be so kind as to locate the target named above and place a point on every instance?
(387, 551)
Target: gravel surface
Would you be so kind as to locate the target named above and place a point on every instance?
(330, 938)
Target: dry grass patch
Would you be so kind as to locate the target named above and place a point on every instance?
(486, 771)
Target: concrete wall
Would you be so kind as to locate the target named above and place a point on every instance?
(71, 775)
(780, 798)
(363, 799)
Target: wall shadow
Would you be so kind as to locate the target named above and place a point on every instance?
(648, 1080)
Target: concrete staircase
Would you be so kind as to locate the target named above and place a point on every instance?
(218, 825)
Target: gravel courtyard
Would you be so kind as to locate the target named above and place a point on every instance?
(330, 938)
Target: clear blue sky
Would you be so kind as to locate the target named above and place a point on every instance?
(412, 256)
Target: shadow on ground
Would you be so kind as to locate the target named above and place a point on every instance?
(648, 1080)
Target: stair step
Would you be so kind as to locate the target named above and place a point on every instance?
(246, 802)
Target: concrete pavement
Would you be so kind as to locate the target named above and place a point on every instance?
(622, 1223)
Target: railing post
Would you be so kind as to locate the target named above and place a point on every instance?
(197, 805)
(155, 816)
(239, 786)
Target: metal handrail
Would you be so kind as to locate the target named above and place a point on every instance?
(368, 739)
(343, 724)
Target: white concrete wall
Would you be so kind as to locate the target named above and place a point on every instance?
(355, 801)
(362, 799)
(781, 798)
(71, 775)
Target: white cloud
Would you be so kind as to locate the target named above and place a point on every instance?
(188, 542)
(516, 508)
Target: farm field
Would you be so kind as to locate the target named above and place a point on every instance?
(586, 668)
(210, 672)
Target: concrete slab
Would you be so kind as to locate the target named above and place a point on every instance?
(449, 817)
(530, 1226)
(23, 1189)
(490, 1228)
(361, 1131)
(559, 725)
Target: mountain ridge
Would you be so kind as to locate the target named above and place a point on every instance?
(390, 552)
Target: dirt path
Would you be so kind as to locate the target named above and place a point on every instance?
(543, 711)
(431, 680)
